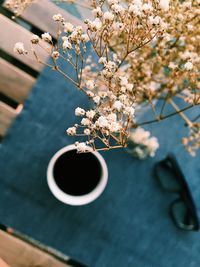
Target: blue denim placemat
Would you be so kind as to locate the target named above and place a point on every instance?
(128, 225)
(71, 8)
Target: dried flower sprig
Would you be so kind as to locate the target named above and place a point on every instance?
(17, 6)
(145, 55)
(141, 144)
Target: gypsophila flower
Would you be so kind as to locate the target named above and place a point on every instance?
(137, 3)
(97, 12)
(90, 85)
(102, 122)
(55, 55)
(141, 144)
(145, 56)
(114, 127)
(94, 25)
(57, 17)
(129, 110)
(188, 66)
(139, 135)
(82, 147)
(172, 65)
(19, 48)
(108, 16)
(153, 86)
(90, 114)
(90, 94)
(102, 94)
(117, 105)
(35, 39)
(85, 122)
(152, 145)
(135, 9)
(85, 38)
(17, 6)
(66, 45)
(79, 112)
(154, 20)
(147, 7)
(96, 99)
(71, 131)
(112, 117)
(118, 26)
(112, 2)
(129, 87)
(164, 4)
(118, 9)
(68, 27)
(123, 81)
(102, 60)
(87, 131)
(46, 37)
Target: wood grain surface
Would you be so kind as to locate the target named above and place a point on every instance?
(7, 115)
(40, 13)
(12, 33)
(18, 253)
(14, 83)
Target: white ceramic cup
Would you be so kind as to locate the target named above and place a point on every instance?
(76, 200)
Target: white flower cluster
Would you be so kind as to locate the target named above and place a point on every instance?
(82, 147)
(141, 145)
(46, 37)
(17, 6)
(73, 40)
(107, 124)
(103, 121)
(147, 51)
(35, 39)
(19, 48)
(164, 4)
(118, 18)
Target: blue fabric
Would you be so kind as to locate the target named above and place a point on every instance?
(71, 8)
(128, 225)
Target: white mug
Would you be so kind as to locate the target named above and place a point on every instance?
(71, 199)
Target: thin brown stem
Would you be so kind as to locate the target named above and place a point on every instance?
(165, 117)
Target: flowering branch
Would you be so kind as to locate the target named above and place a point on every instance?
(147, 52)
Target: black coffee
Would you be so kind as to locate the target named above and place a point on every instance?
(77, 173)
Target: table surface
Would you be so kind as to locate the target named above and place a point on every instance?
(128, 225)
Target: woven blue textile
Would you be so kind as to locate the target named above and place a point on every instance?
(128, 225)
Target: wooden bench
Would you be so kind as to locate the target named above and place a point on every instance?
(18, 250)
(15, 81)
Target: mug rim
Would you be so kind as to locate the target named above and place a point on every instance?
(76, 200)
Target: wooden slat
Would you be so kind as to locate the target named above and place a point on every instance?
(84, 10)
(3, 263)
(7, 115)
(17, 253)
(12, 33)
(14, 82)
(40, 14)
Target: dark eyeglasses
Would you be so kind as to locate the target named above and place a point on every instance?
(171, 179)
